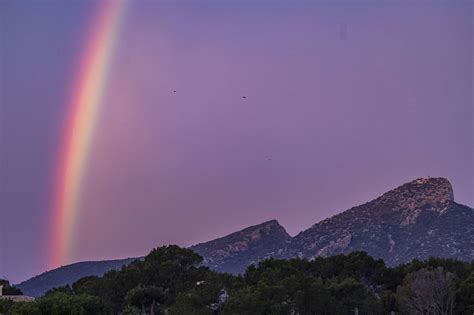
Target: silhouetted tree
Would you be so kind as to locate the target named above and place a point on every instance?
(8, 289)
(146, 297)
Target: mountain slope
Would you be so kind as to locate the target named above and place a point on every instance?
(64, 275)
(416, 220)
(234, 252)
(231, 253)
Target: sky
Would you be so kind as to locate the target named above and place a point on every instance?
(343, 101)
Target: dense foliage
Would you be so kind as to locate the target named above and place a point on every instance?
(8, 289)
(172, 280)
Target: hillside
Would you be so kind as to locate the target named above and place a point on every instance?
(64, 275)
(234, 252)
(416, 220)
(419, 219)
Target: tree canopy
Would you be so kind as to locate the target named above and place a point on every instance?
(172, 280)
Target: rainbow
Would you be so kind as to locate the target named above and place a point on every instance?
(82, 113)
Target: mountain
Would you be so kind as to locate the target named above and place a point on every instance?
(64, 275)
(234, 252)
(419, 219)
(416, 220)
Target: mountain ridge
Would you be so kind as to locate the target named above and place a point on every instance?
(382, 226)
(239, 249)
(418, 219)
(40, 284)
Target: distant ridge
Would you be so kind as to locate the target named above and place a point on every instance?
(419, 219)
(64, 275)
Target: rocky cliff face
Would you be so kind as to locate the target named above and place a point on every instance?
(416, 220)
(234, 252)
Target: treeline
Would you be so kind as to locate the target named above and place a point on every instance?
(172, 280)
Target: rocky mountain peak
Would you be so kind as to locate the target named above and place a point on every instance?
(426, 190)
(269, 227)
(235, 251)
(418, 219)
(250, 236)
(411, 199)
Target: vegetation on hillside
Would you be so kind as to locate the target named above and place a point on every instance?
(172, 280)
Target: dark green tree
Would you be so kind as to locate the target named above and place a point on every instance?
(146, 297)
(203, 296)
(8, 289)
(465, 296)
(25, 308)
(5, 305)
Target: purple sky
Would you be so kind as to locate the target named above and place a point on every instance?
(343, 102)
